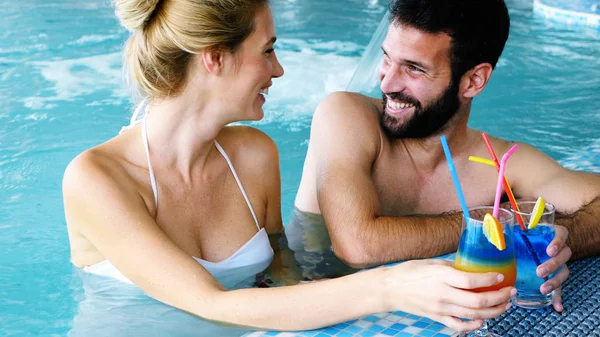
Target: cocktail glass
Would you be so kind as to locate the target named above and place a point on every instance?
(530, 251)
(477, 254)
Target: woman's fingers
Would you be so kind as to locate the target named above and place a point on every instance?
(466, 280)
(469, 299)
(475, 313)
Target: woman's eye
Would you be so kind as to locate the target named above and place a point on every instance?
(270, 51)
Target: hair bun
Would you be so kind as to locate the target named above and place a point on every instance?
(134, 14)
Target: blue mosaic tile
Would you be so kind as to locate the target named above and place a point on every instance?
(426, 333)
(436, 327)
(404, 334)
(420, 324)
(341, 326)
(399, 326)
(376, 328)
(367, 334)
(331, 331)
(353, 329)
(390, 332)
(372, 319)
(344, 334)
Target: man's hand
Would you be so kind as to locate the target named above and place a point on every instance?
(560, 253)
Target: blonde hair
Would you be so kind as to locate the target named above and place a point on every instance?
(167, 33)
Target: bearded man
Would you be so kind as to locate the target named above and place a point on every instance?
(375, 173)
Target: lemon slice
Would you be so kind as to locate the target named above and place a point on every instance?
(536, 213)
(493, 231)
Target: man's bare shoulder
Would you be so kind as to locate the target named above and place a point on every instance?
(350, 103)
(342, 110)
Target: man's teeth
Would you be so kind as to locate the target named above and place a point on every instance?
(264, 91)
(397, 106)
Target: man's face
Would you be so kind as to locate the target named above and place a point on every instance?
(419, 97)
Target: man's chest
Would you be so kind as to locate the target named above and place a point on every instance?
(409, 192)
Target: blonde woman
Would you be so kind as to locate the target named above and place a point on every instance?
(181, 205)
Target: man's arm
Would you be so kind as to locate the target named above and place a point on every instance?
(576, 196)
(346, 139)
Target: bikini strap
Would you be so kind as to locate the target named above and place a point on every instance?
(237, 180)
(151, 171)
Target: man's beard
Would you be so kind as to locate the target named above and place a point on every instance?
(425, 122)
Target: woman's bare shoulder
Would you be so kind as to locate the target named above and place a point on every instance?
(247, 143)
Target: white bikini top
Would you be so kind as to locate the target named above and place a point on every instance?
(250, 259)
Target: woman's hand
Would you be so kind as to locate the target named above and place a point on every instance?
(434, 289)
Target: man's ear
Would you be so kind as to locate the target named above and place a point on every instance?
(474, 81)
(213, 60)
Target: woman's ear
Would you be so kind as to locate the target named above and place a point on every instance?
(213, 60)
(474, 81)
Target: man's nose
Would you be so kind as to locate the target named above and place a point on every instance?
(392, 78)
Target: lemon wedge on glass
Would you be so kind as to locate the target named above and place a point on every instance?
(536, 213)
(493, 231)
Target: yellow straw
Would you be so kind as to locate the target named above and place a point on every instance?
(482, 161)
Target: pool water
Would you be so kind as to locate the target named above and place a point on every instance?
(61, 92)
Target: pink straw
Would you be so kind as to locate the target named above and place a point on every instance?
(501, 179)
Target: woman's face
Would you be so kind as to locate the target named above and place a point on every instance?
(252, 68)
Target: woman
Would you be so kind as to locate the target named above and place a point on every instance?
(181, 205)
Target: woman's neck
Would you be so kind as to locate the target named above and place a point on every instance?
(182, 133)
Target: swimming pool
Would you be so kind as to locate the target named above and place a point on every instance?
(60, 93)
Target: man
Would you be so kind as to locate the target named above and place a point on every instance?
(376, 171)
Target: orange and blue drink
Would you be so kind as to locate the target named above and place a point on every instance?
(477, 254)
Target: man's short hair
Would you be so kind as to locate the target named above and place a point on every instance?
(478, 28)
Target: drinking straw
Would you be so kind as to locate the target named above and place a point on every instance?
(482, 161)
(509, 192)
(500, 178)
(459, 193)
(513, 202)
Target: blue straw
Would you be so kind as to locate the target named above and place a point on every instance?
(459, 192)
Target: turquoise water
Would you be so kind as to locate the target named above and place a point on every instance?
(61, 92)
(528, 283)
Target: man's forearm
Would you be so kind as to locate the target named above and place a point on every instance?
(584, 230)
(390, 239)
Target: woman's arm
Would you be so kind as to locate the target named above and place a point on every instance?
(105, 206)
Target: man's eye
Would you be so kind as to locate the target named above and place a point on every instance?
(414, 69)
(270, 51)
